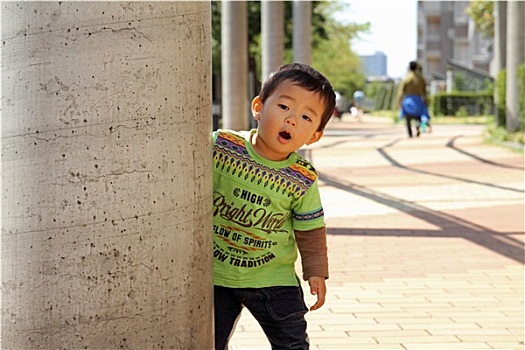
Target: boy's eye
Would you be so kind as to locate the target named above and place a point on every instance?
(307, 118)
(283, 107)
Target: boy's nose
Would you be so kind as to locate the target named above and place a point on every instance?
(291, 120)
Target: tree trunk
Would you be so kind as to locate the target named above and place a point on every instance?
(106, 175)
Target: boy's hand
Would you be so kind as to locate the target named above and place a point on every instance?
(317, 287)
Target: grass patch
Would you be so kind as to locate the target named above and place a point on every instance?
(499, 135)
(493, 134)
(384, 113)
(480, 120)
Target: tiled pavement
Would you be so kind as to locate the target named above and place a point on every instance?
(425, 241)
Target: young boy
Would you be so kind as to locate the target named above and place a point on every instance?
(266, 204)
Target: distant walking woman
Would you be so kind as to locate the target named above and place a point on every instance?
(412, 96)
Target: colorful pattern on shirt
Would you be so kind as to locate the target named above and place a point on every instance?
(257, 205)
(231, 156)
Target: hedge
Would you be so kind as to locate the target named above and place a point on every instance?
(501, 90)
(521, 95)
(502, 96)
(471, 103)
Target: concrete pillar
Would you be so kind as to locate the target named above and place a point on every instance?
(515, 57)
(106, 175)
(302, 31)
(500, 35)
(450, 80)
(234, 42)
(500, 52)
(272, 28)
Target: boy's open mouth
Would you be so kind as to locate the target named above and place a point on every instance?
(285, 135)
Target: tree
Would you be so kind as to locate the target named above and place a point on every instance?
(482, 13)
(331, 50)
(333, 55)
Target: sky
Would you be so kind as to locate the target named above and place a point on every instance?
(393, 30)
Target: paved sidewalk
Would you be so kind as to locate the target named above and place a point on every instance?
(425, 241)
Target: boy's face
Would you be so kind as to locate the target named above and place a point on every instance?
(287, 120)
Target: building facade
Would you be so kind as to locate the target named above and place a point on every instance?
(374, 65)
(446, 33)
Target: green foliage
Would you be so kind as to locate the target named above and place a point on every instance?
(331, 51)
(497, 132)
(500, 135)
(463, 81)
(216, 36)
(521, 95)
(482, 13)
(333, 56)
(462, 112)
(253, 13)
(459, 82)
(385, 95)
(471, 120)
(461, 103)
(372, 88)
(501, 91)
(380, 97)
(394, 104)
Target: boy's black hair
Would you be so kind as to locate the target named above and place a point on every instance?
(304, 76)
(412, 65)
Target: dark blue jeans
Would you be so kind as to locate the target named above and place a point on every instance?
(279, 310)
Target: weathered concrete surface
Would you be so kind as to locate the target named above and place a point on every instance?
(106, 188)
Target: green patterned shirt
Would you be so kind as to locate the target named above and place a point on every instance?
(257, 205)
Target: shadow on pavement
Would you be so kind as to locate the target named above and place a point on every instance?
(391, 160)
(450, 144)
(451, 226)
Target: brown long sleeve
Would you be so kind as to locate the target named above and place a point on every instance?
(314, 253)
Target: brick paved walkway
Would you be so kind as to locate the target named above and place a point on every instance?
(425, 241)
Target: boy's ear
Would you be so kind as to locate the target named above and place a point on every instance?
(315, 137)
(256, 107)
